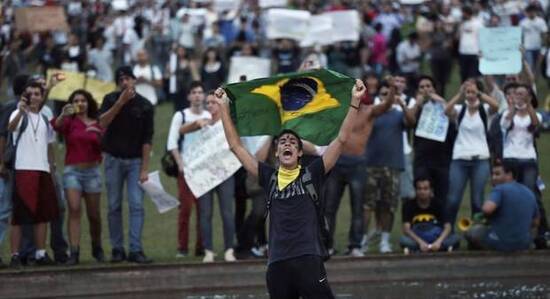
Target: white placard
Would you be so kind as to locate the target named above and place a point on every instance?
(120, 5)
(162, 200)
(500, 50)
(211, 162)
(320, 31)
(346, 25)
(433, 123)
(287, 23)
(197, 16)
(223, 5)
(411, 2)
(273, 3)
(252, 67)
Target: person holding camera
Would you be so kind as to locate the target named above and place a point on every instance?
(34, 195)
(81, 176)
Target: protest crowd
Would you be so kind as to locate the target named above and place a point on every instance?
(419, 141)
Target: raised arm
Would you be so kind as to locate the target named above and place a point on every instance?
(249, 161)
(106, 118)
(335, 148)
(450, 106)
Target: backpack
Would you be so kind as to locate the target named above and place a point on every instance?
(168, 163)
(319, 203)
(10, 152)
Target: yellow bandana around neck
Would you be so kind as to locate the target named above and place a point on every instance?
(285, 176)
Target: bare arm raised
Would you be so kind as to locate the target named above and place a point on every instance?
(335, 148)
(248, 160)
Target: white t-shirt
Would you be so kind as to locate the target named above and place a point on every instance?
(190, 138)
(471, 140)
(406, 52)
(532, 30)
(469, 37)
(150, 73)
(518, 142)
(32, 151)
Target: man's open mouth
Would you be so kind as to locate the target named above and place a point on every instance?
(287, 153)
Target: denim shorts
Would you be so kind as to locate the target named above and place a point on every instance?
(87, 180)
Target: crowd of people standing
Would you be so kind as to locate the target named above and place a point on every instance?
(156, 52)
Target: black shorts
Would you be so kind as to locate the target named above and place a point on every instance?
(303, 276)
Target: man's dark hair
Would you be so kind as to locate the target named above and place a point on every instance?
(467, 10)
(506, 167)
(20, 83)
(291, 132)
(194, 85)
(532, 8)
(378, 27)
(34, 84)
(425, 77)
(422, 178)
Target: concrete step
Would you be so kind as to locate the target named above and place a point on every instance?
(376, 274)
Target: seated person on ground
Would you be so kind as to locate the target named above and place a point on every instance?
(512, 215)
(424, 225)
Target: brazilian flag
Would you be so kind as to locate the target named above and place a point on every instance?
(312, 103)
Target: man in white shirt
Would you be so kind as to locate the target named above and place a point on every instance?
(149, 77)
(469, 44)
(409, 56)
(532, 27)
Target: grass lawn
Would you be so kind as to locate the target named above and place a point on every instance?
(160, 230)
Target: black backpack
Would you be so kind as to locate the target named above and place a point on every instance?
(319, 203)
(168, 163)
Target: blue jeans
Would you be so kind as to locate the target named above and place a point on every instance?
(5, 208)
(525, 172)
(118, 171)
(452, 240)
(340, 176)
(531, 56)
(225, 191)
(478, 172)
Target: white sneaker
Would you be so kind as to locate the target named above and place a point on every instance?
(406, 251)
(229, 255)
(356, 252)
(385, 247)
(208, 256)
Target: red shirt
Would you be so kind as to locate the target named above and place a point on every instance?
(83, 141)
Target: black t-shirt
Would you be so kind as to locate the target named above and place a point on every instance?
(414, 214)
(131, 128)
(293, 225)
(287, 59)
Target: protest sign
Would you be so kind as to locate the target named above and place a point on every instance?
(120, 5)
(252, 67)
(41, 19)
(273, 3)
(411, 2)
(287, 23)
(210, 162)
(224, 5)
(433, 123)
(345, 25)
(500, 50)
(74, 81)
(320, 31)
(162, 200)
